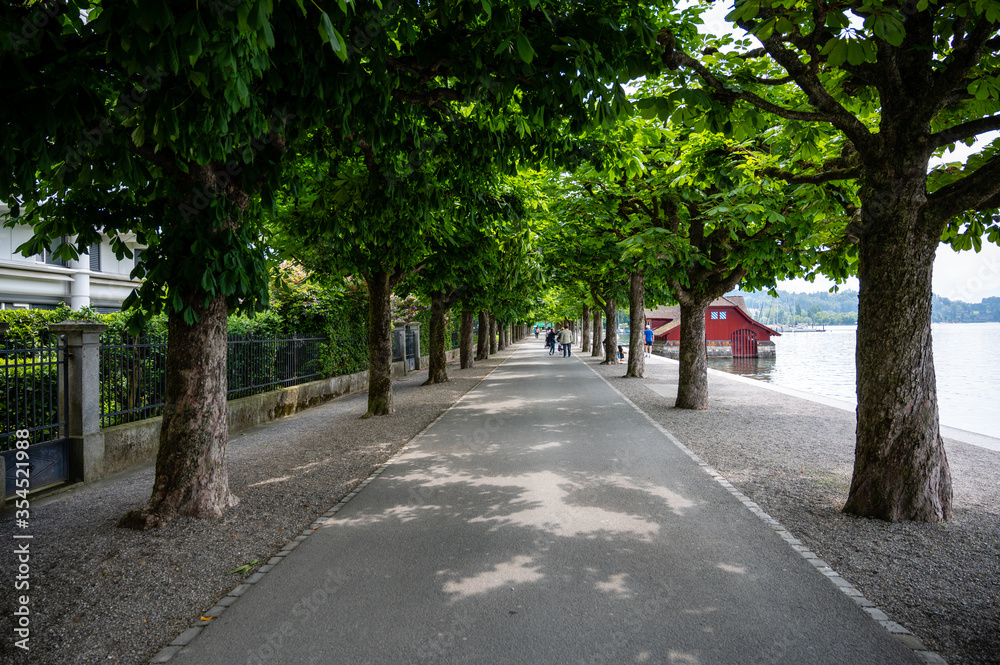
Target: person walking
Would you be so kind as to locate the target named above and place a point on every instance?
(566, 339)
(649, 340)
(550, 340)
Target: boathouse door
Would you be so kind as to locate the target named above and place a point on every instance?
(744, 343)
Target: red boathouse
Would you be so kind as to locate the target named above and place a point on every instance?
(730, 330)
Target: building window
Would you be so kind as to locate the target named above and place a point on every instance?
(95, 257)
(722, 315)
(715, 315)
(48, 255)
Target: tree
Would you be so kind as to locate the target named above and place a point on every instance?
(172, 130)
(614, 195)
(690, 210)
(471, 109)
(580, 245)
(899, 84)
(465, 265)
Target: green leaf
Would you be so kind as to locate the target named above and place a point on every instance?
(855, 52)
(330, 34)
(524, 48)
(838, 53)
(503, 47)
(138, 136)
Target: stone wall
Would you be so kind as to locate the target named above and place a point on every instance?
(134, 444)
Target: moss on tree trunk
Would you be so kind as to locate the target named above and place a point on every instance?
(692, 383)
(483, 343)
(437, 370)
(465, 340)
(379, 344)
(900, 470)
(191, 475)
(596, 343)
(637, 322)
(493, 334)
(611, 332)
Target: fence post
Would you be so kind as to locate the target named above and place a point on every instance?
(82, 397)
(399, 331)
(415, 327)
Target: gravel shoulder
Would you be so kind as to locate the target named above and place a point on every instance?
(795, 457)
(100, 593)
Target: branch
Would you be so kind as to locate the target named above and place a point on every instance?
(961, 61)
(976, 191)
(164, 158)
(813, 178)
(965, 130)
(429, 97)
(820, 98)
(370, 162)
(423, 72)
(678, 59)
(782, 81)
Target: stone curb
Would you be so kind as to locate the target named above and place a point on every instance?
(166, 654)
(894, 629)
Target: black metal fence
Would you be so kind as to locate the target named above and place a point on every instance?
(133, 379)
(133, 373)
(30, 399)
(258, 365)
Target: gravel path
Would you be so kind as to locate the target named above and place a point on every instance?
(100, 593)
(795, 457)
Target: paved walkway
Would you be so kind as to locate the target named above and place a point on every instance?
(543, 519)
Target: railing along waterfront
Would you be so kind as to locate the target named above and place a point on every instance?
(133, 374)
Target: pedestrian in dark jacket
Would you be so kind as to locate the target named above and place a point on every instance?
(550, 341)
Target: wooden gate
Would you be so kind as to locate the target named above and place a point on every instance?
(744, 343)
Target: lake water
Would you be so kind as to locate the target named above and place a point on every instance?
(966, 362)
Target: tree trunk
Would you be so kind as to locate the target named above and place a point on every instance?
(692, 382)
(596, 345)
(437, 371)
(483, 343)
(636, 324)
(465, 340)
(585, 329)
(379, 345)
(610, 333)
(900, 468)
(493, 335)
(191, 476)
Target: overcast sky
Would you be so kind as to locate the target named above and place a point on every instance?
(964, 276)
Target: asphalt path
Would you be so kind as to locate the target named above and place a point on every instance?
(543, 519)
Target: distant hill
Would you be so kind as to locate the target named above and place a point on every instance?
(825, 308)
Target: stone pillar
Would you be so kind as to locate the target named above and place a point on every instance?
(80, 392)
(415, 327)
(399, 338)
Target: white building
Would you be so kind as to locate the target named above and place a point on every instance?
(96, 279)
